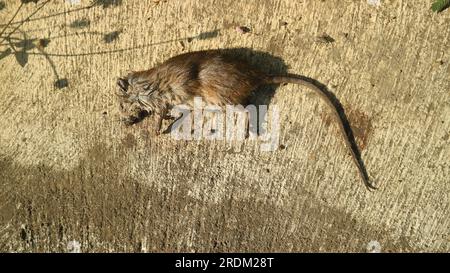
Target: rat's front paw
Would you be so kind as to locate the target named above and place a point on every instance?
(129, 121)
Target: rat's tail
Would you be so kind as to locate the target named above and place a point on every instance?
(338, 112)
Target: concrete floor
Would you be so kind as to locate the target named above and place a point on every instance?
(70, 171)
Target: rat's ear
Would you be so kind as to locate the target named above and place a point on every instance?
(123, 83)
(123, 87)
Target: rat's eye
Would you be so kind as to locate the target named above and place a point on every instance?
(147, 86)
(148, 89)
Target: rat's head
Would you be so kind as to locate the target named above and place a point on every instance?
(135, 87)
(134, 93)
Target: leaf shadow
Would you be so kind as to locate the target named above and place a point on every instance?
(5, 53)
(22, 48)
(111, 37)
(21, 57)
(81, 23)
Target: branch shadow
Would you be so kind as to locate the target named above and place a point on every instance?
(95, 3)
(21, 48)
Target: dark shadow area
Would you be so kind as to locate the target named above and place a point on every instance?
(267, 64)
(2, 5)
(264, 62)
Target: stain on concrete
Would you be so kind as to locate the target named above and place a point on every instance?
(96, 205)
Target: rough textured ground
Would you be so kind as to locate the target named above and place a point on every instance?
(69, 171)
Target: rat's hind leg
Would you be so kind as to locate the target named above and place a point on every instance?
(158, 124)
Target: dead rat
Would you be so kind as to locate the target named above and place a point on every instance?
(219, 79)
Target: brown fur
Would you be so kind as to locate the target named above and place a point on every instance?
(220, 80)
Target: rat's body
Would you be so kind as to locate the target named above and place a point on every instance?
(219, 79)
